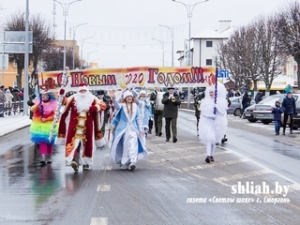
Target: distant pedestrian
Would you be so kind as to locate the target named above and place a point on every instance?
(171, 103)
(258, 97)
(157, 110)
(2, 100)
(197, 103)
(245, 102)
(8, 95)
(277, 111)
(289, 110)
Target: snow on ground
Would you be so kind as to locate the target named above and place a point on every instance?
(9, 124)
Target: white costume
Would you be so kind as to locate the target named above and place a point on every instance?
(213, 123)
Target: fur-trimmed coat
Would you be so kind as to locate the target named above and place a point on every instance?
(212, 127)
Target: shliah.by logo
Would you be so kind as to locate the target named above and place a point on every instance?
(250, 188)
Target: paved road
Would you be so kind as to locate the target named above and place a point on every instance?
(173, 186)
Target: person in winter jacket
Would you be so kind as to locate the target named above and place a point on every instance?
(245, 101)
(289, 110)
(171, 103)
(277, 111)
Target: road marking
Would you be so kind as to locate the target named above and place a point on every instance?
(242, 175)
(295, 183)
(174, 149)
(98, 221)
(103, 187)
(106, 167)
(168, 143)
(216, 164)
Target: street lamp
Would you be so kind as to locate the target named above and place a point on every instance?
(163, 50)
(189, 9)
(74, 34)
(87, 58)
(65, 7)
(171, 29)
(82, 42)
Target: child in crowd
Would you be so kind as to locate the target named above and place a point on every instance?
(277, 111)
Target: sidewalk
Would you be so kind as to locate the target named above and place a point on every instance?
(9, 124)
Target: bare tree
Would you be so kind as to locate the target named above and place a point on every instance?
(53, 59)
(240, 55)
(271, 58)
(288, 33)
(41, 39)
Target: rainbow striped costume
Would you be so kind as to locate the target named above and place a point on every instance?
(40, 131)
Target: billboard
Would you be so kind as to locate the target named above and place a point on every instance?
(122, 78)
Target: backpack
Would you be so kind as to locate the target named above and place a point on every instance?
(157, 104)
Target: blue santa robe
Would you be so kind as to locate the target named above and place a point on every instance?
(127, 136)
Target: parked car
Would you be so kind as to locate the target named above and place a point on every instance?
(235, 107)
(248, 114)
(263, 110)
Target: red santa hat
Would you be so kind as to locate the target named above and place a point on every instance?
(82, 86)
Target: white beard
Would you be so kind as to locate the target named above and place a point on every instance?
(84, 101)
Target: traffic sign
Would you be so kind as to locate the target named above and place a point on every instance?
(223, 73)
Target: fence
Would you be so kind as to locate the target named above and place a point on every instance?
(11, 108)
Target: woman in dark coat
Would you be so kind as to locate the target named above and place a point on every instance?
(289, 110)
(245, 101)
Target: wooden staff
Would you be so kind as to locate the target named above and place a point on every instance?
(60, 100)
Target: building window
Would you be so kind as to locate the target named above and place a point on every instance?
(209, 44)
(209, 62)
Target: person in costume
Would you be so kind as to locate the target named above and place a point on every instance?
(213, 119)
(128, 143)
(144, 106)
(43, 115)
(81, 133)
(171, 103)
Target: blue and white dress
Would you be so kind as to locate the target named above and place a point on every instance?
(128, 144)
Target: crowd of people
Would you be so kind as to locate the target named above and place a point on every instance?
(130, 116)
(9, 95)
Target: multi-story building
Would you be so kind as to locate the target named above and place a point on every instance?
(204, 47)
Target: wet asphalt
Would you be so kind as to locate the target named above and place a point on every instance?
(172, 186)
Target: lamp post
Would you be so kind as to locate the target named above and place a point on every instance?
(65, 7)
(74, 34)
(189, 9)
(26, 60)
(171, 29)
(87, 58)
(163, 50)
(82, 42)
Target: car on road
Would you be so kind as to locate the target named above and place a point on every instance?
(248, 114)
(235, 106)
(263, 110)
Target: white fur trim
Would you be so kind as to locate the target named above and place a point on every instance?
(100, 143)
(98, 108)
(60, 141)
(127, 93)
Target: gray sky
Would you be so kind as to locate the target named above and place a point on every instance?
(122, 30)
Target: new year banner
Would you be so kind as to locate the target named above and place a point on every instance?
(122, 78)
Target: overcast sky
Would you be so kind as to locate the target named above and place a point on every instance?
(122, 31)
